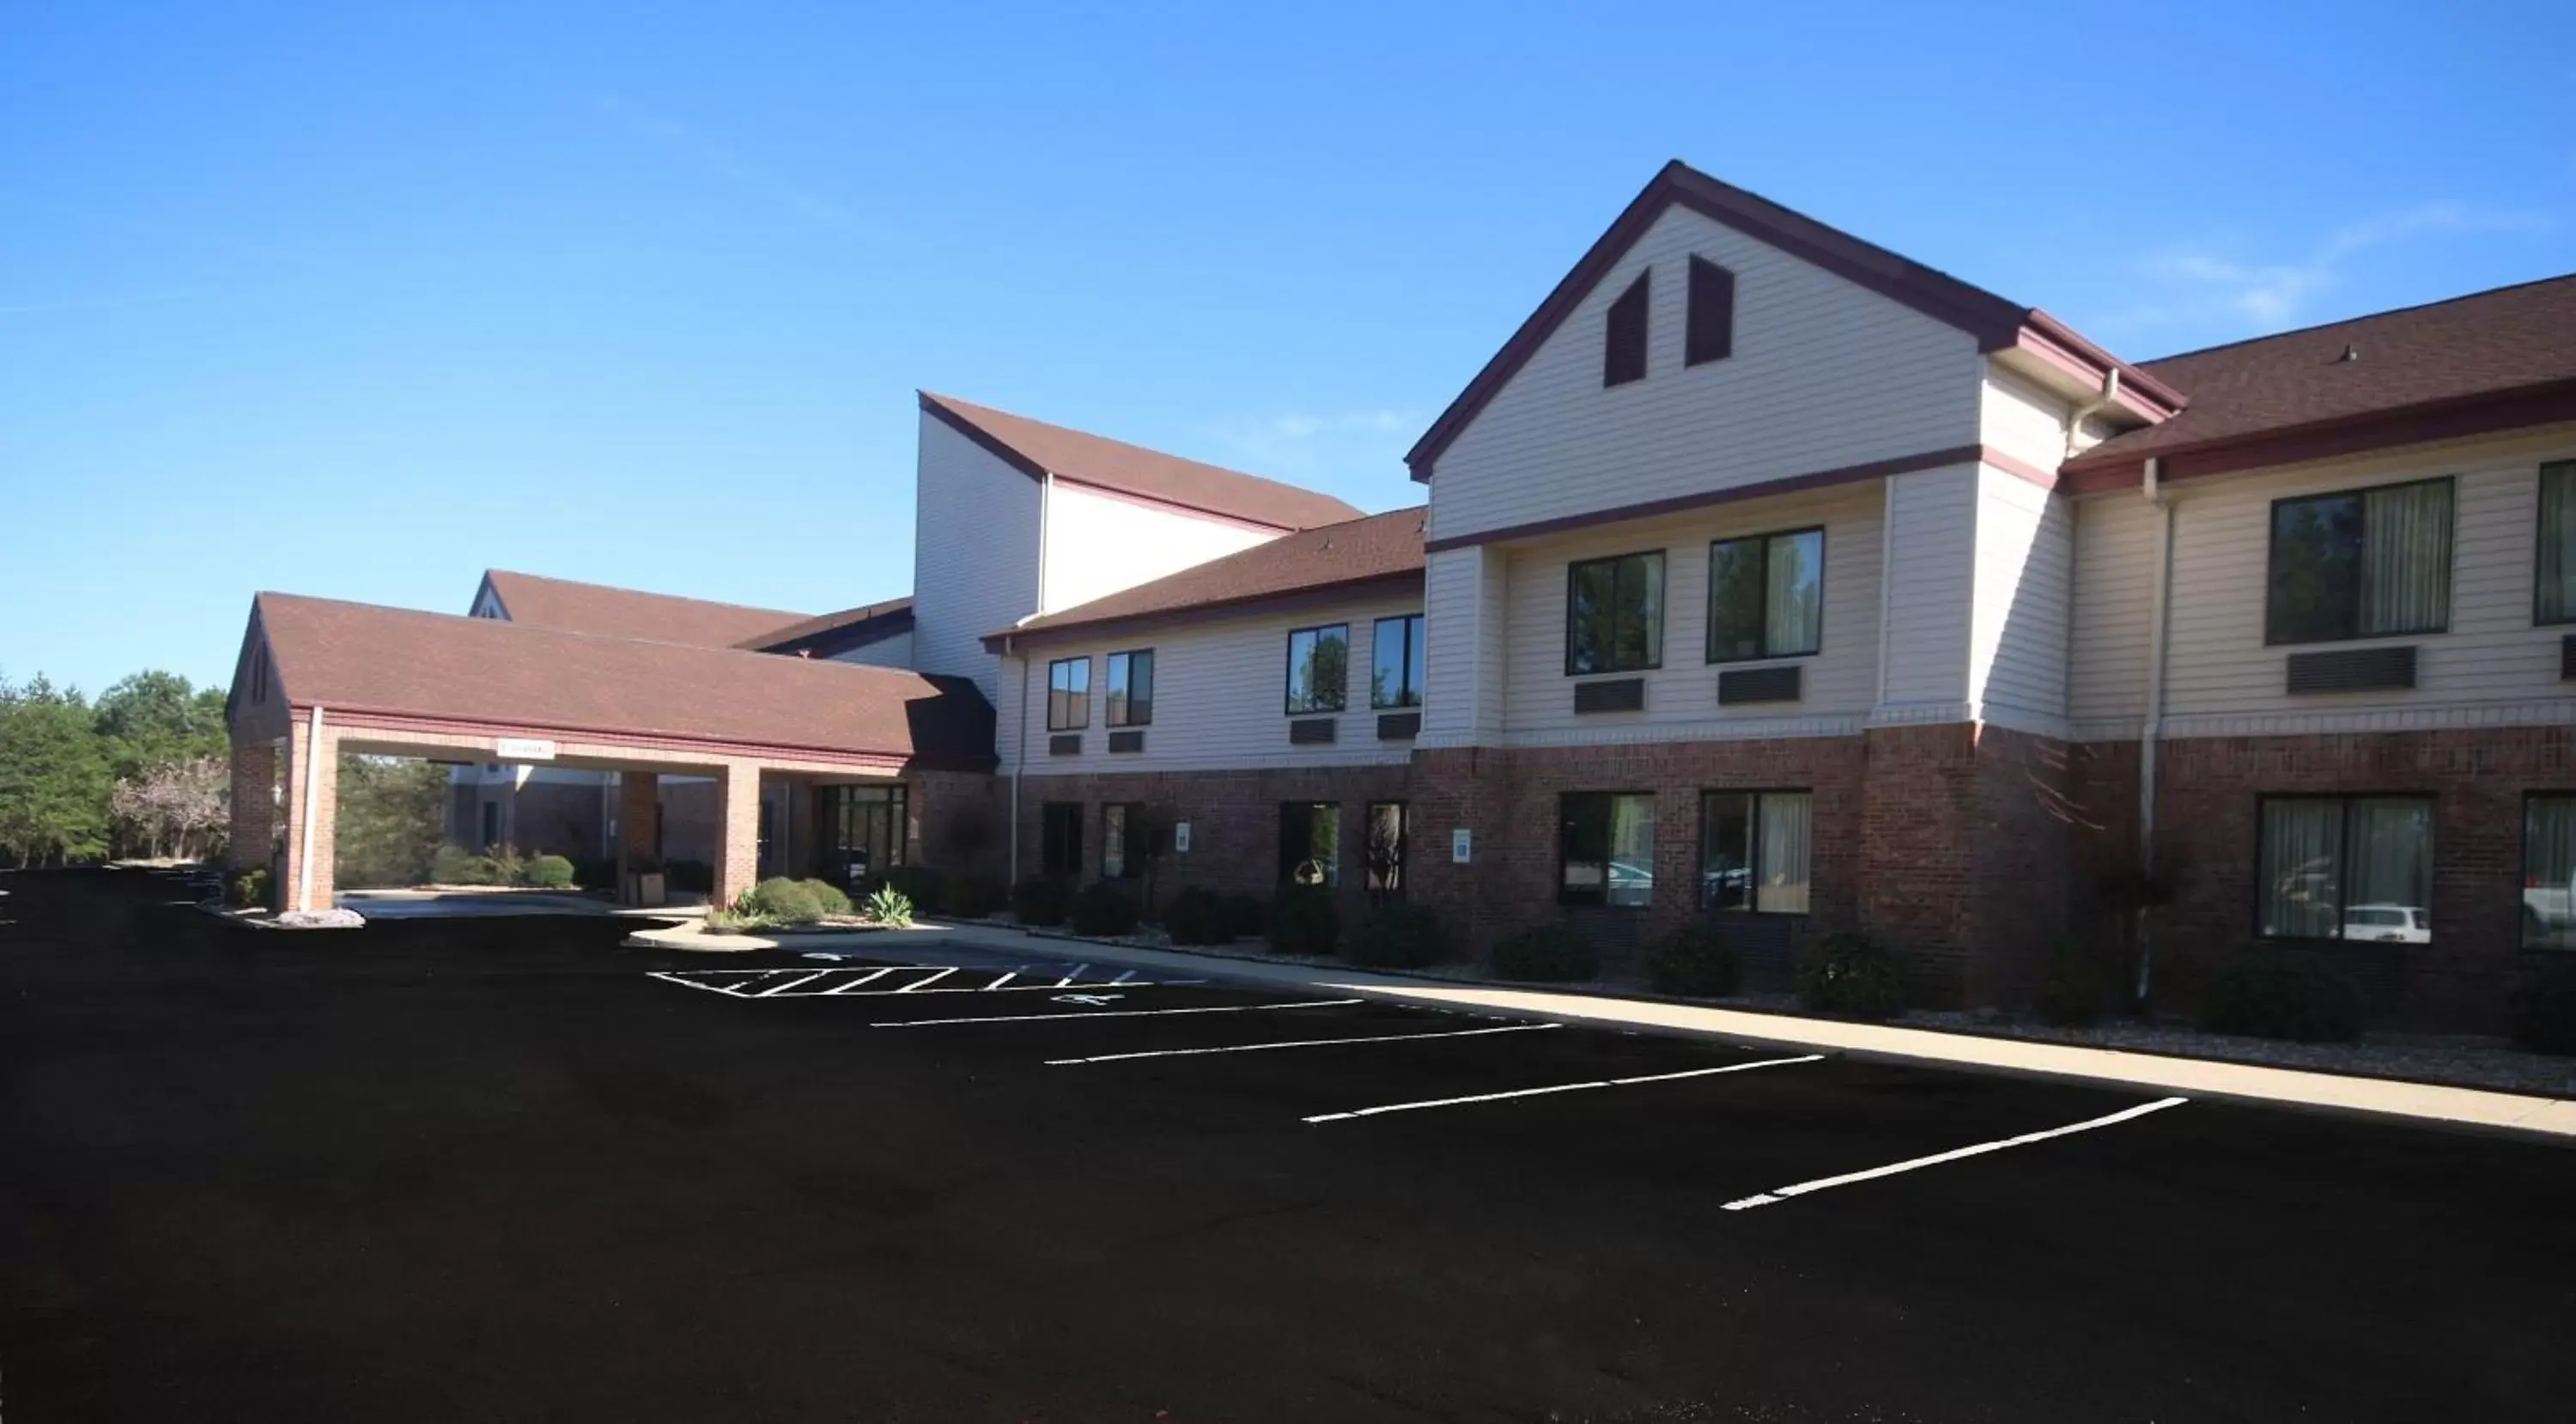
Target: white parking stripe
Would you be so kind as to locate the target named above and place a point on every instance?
(1777, 1194)
(1123, 976)
(1005, 979)
(868, 978)
(1116, 1013)
(687, 983)
(1067, 981)
(926, 983)
(1563, 1088)
(790, 984)
(1295, 1043)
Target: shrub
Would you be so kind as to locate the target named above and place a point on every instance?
(508, 868)
(1039, 901)
(1304, 922)
(1855, 976)
(250, 888)
(1553, 954)
(2076, 990)
(2544, 1019)
(452, 866)
(969, 897)
(828, 896)
(782, 901)
(2274, 994)
(1197, 916)
(1104, 910)
(1246, 917)
(551, 872)
(1695, 960)
(1397, 936)
(890, 907)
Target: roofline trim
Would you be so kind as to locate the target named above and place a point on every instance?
(1010, 455)
(348, 715)
(2482, 413)
(1281, 597)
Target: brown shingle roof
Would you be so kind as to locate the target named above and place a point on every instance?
(2469, 350)
(359, 656)
(828, 627)
(1036, 449)
(1377, 548)
(535, 601)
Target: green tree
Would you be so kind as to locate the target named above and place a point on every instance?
(153, 718)
(393, 814)
(54, 776)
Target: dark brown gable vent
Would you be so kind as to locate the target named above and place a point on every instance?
(1711, 334)
(2353, 670)
(1623, 349)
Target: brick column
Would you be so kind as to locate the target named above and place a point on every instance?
(254, 806)
(322, 763)
(738, 844)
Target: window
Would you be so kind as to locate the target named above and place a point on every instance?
(1605, 848)
(1395, 673)
(2554, 597)
(1122, 841)
(1319, 661)
(1753, 849)
(1623, 342)
(860, 830)
(1614, 614)
(2362, 564)
(2549, 871)
(1060, 840)
(1069, 695)
(1766, 596)
(1310, 843)
(1386, 846)
(2335, 867)
(1131, 689)
(1711, 332)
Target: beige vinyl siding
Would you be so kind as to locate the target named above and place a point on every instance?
(2025, 553)
(1220, 697)
(2114, 614)
(1931, 582)
(2020, 418)
(1464, 602)
(1099, 543)
(1681, 697)
(1825, 374)
(974, 553)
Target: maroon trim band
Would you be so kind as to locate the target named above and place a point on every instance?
(2486, 414)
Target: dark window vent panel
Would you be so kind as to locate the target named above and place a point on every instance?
(1065, 744)
(1311, 731)
(2567, 657)
(1126, 741)
(1626, 694)
(1768, 684)
(2353, 670)
(1399, 726)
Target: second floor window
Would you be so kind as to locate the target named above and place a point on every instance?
(2554, 600)
(1395, 672)
(1766, 596)
(2362, 564)
(1319, 662)
(1069, 695)
(1131, 689)
(1614, 614)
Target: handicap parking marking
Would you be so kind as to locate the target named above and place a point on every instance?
(1781, 1194)
(1293, 1043)
(1118, 1014)
(832, 982)
(1357, 1113)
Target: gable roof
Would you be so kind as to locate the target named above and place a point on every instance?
(360, 657)
(2488, 361)
(1997, 324)
(1037, 449)
(831, 633)
(533, 600)
(1378, 548)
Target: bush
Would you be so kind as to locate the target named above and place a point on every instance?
(551, 872)
(1246, 917)
(1396, 936)
(2075, 991)
(828, 895)
(250, 889)
(2544, 1019)
(508, 868)
(1197, 916)
(1695, 961)
(783, 901)
(969, 897)
(1553, 954)
(1104, 910)
(1039, 901)
(2275, 994)
(890, 907)
(1855, 976)
(1304, 922)
(455, 867)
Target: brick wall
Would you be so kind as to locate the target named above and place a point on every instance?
(253, 806)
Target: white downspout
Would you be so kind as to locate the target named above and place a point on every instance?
(1019, 753)
(312, 801)
(1886, 575)
(2153, 727)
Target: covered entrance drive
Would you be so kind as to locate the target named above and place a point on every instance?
(882, 764)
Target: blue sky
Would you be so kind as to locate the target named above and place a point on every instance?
(358, 300)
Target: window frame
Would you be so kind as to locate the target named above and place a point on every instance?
(1663, 579)
(1394, 884)
(1753, 849)
(1288, 673)
(2343, 855)
(1332, 867)
(1071, 815)
(1127, 839)
(2540, 534)
(2271, 534)
(2521, 939)
(1075, 698)
(1119, 708)
(1708, 613)
(1635, 303)
(1413, 628)
(1606, 798)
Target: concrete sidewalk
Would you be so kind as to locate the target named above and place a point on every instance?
(2469, 1109)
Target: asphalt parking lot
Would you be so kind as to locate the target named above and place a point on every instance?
(503, 1169)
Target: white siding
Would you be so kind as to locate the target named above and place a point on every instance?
(1825, 374)
(1681, 697)
(1098, 543)
(975, 552)
(1220, 697)
(2017, 651)
(884, 652)
(2020, 418)
(1465, 599)
(2114, 614)
(1931, 580)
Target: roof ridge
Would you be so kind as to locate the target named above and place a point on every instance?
(621, 588)
(549, 630)
(2365, 316)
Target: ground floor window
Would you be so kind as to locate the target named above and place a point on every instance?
(1386, 844)
(2346, 867)
(1060, 839)
(1605, 848)
(2549, 871)
(1310, 843)
(858, 830)
(1753, 850)
(1122, 841)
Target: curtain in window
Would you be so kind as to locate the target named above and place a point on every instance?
(2406, 559)
(2549, 872)
(2390, 859)
(1795, 602)
(2297, 868)
(1632, 850)
(1787, 821)
(2557, 602)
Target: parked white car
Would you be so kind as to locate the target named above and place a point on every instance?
(2388, 924)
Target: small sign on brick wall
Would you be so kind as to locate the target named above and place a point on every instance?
(524, 749)
(1181, 837)
(1462, 846)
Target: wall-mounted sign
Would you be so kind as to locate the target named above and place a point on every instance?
(525, 749)
(1181, 837)
(1462, 845)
